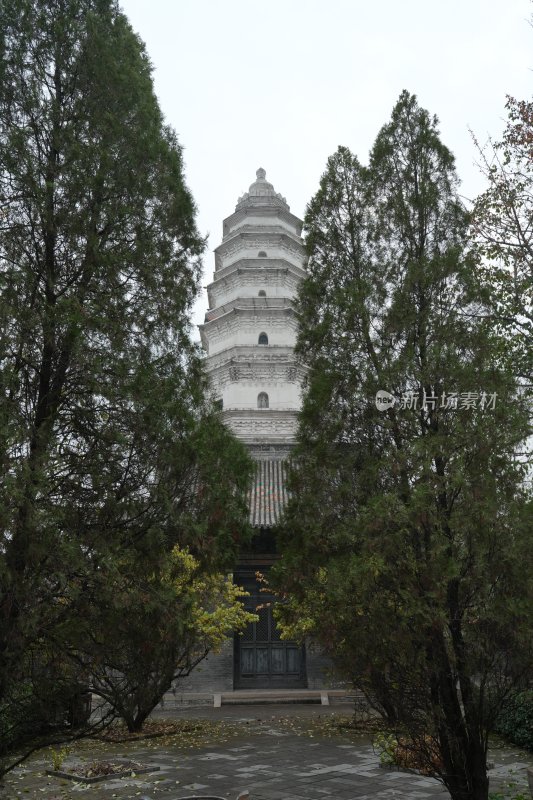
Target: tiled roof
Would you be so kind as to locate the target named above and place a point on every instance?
(268, 495)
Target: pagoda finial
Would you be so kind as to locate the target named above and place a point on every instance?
(261, 173)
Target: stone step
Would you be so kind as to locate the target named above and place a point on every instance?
(281, 696)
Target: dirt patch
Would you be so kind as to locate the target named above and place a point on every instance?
(151, 730)
(95, 771)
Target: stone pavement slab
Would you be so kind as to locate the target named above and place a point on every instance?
(269, 759)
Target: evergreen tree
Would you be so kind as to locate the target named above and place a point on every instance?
(107, 444)
(502, 224)
(406, 549)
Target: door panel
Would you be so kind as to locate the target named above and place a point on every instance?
(293, 659)
(278, 660)
(247, 661)
(261, 655)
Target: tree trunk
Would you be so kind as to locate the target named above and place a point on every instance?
(138, 721)
(469, 779)
(461, 744)
(380, 690)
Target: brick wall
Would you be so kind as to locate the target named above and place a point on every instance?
(213, 674)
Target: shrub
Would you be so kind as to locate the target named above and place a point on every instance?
(420, 754)
(386, 745)
(515, 720)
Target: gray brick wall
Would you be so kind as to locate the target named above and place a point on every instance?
(320, 670)
(213, 674)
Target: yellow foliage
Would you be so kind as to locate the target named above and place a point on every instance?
(215, 606)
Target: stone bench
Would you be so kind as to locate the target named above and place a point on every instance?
(260, 696)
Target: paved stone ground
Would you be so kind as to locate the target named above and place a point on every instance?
(269, 758)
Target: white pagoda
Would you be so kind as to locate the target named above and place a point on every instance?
(249, 335)
(250, 327)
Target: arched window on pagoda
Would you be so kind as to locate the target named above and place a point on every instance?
(263, 338)
(261, 254)
(262, 293)
(262, 400)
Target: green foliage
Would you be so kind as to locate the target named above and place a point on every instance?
(386, 745)
(502, 224)
(514, 796)
(515, 720)
(58, 756)
(110, 455)
(510, 793)
(406, 547)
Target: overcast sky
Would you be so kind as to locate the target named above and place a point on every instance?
(281, 83)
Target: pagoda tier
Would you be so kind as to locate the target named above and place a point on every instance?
(274, 243)
(237, 324)
(248, 277)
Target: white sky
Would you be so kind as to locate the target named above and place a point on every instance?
(281, 83)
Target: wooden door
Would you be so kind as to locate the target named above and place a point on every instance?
(262, 659)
